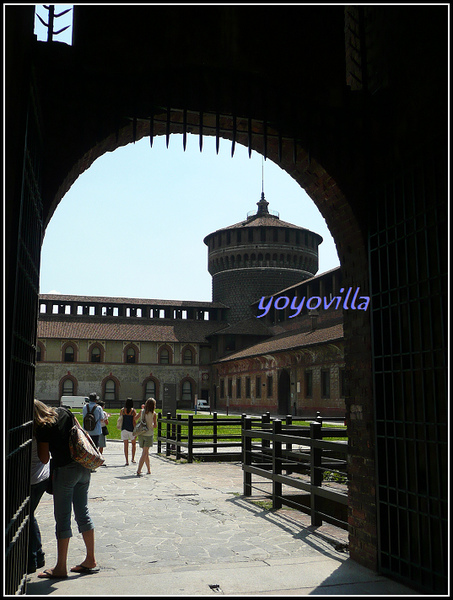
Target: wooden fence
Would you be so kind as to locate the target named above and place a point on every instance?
(298, 458)
(182, 438)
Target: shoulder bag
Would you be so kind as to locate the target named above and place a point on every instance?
(82, 447)
(119, 423)
(141, 426)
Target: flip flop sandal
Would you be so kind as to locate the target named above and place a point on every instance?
(84, 570)
(49, 575)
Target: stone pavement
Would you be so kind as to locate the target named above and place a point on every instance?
(187, 530)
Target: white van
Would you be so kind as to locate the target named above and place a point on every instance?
(202, 405)
(73, 401)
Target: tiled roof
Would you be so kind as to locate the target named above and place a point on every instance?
(289, 341)
(266, 221)
(162, 330)
(60, 298)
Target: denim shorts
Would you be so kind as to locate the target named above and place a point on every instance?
(70, 490)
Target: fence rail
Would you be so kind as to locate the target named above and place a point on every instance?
(182, 440)
(304, 468)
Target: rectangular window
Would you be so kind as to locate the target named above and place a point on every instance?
(222, 388)
(258, 387)
(247, 387)
(308, 384)
(270, 386)
(325, 384)
(238, 387)
(230, 387)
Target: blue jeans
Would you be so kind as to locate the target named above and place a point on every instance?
(70, 490)
(35, 553)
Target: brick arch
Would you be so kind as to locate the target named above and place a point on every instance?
(67, 345)
(156, 383)
(136, 350)
(101, 350)
(65, 378)
(117, 385)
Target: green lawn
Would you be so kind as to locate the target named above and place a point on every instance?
(223, 429)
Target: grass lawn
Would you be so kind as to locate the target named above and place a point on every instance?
(223, 429)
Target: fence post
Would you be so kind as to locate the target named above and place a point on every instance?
(190, 439)
(178, 437)
(276, 465)
(265, 419)
(159, 432)
(168, 445)
(315, 472)
(214, 432)
(247, 455)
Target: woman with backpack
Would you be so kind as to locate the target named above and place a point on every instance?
(129, 415)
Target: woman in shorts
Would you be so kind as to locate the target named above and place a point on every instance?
(127, 429)
(145, 439)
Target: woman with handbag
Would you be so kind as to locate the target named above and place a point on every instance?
(145, 436)
(128, 417)
(71, 481)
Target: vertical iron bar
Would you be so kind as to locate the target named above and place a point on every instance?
(151, 129)
(217, 132)
(201, 130)
(233, 141)
(167, 127)
(184, 128)
(134, 129)
(51, 23)
(249, 136)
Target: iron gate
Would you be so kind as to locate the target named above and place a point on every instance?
(408, 266)
(20, 385)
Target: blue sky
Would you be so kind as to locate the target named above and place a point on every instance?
(133, 224)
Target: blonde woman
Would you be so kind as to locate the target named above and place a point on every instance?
(145, 440)
(70, 487)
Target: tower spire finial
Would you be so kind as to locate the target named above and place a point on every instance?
(262, 176)
(263, 203)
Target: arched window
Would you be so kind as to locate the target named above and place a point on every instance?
(69, 354)
(165, 356)
(187, 357)
(95, 355)
(150, 389)
(186, 391)
(110, 390)
(68, 388)
(130, 355)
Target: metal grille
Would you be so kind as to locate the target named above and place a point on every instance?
(408, 265)
(19, 408)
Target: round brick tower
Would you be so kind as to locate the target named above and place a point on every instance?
(258, 257)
